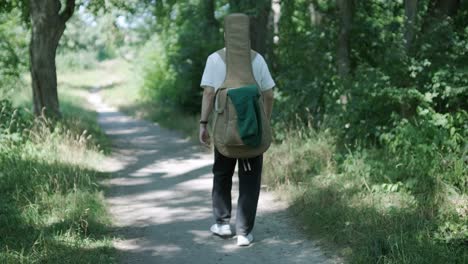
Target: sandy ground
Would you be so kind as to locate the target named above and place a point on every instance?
(160, 199)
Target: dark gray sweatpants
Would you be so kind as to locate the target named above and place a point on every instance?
(249, 190)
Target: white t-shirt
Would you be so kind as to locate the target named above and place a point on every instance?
(215, 72)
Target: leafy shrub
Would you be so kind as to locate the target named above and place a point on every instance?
(173, 60)
(13, 122)
(304, 72)
(13, 50)
(429, 148)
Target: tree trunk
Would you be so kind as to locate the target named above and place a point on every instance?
(345, 8)
(47, 27)
(315, 15)
(411, 9)
(437, 11)
(276, 10)
(270, 35)
(445, 7)
(208, 7)
(259, 29)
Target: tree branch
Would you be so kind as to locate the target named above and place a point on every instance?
(68, 11)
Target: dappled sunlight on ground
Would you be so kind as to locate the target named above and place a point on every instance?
(160, 198)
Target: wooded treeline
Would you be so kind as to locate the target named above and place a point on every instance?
(359, 66)
(387, 79)
(320, 52)
(384, 82)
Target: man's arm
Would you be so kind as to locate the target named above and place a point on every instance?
(207, 102)
(268, 98)
(207, 107)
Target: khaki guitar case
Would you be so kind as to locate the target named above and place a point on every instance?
(239, 73)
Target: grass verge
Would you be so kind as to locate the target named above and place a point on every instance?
(51, 207)
(365, 220)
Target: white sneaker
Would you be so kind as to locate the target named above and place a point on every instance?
(221, 230)
(244, 240)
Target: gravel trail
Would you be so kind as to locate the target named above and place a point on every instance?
(160, 200)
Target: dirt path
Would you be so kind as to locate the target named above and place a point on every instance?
(160, 198)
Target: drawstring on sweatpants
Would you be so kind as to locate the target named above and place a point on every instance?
(246, 164)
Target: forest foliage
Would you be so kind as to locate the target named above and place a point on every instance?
(375, 90)
(407, 98)
(393, 117)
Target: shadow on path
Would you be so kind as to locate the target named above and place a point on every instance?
(160, 198)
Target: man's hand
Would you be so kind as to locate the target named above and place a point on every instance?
(204, 136)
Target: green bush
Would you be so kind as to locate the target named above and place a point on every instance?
(429, 148)
(13, 123)
(304, 69)
(174, 58)
(13, 51)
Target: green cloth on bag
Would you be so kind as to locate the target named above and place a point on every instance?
(249, 121)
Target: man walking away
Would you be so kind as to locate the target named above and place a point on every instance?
(224, 69)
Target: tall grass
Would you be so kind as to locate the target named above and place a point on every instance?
(301, 155)
(51, 206)
(338, 196)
